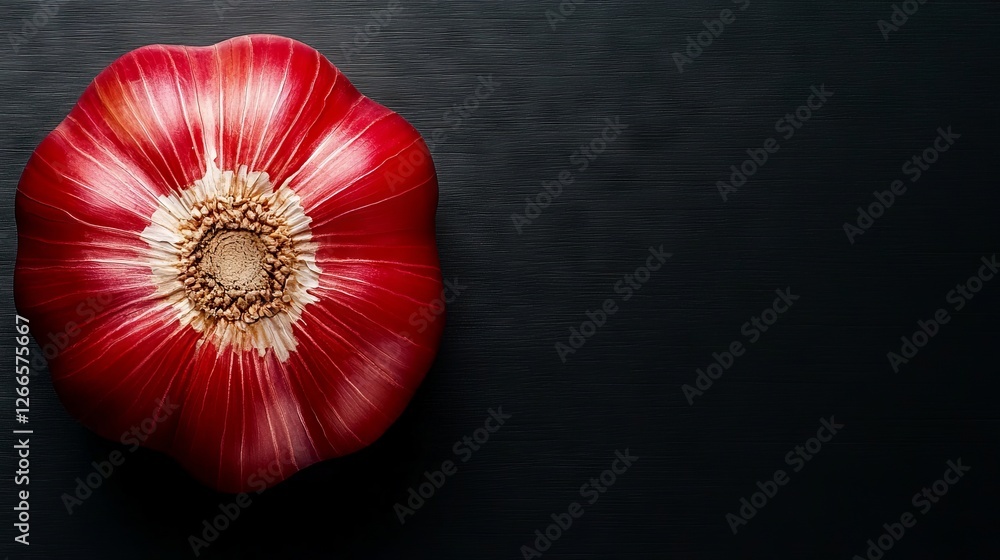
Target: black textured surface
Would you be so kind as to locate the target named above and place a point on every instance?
(655, 185)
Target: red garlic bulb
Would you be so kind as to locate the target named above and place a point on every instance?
(261, 231)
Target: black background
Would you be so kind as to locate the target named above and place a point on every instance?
(653, 186)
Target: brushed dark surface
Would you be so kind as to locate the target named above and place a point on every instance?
(655, 185)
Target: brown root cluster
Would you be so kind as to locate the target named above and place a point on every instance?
(237, 258)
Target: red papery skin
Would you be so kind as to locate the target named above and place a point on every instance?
(146, 127)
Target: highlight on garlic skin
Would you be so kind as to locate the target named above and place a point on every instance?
(262, 233)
